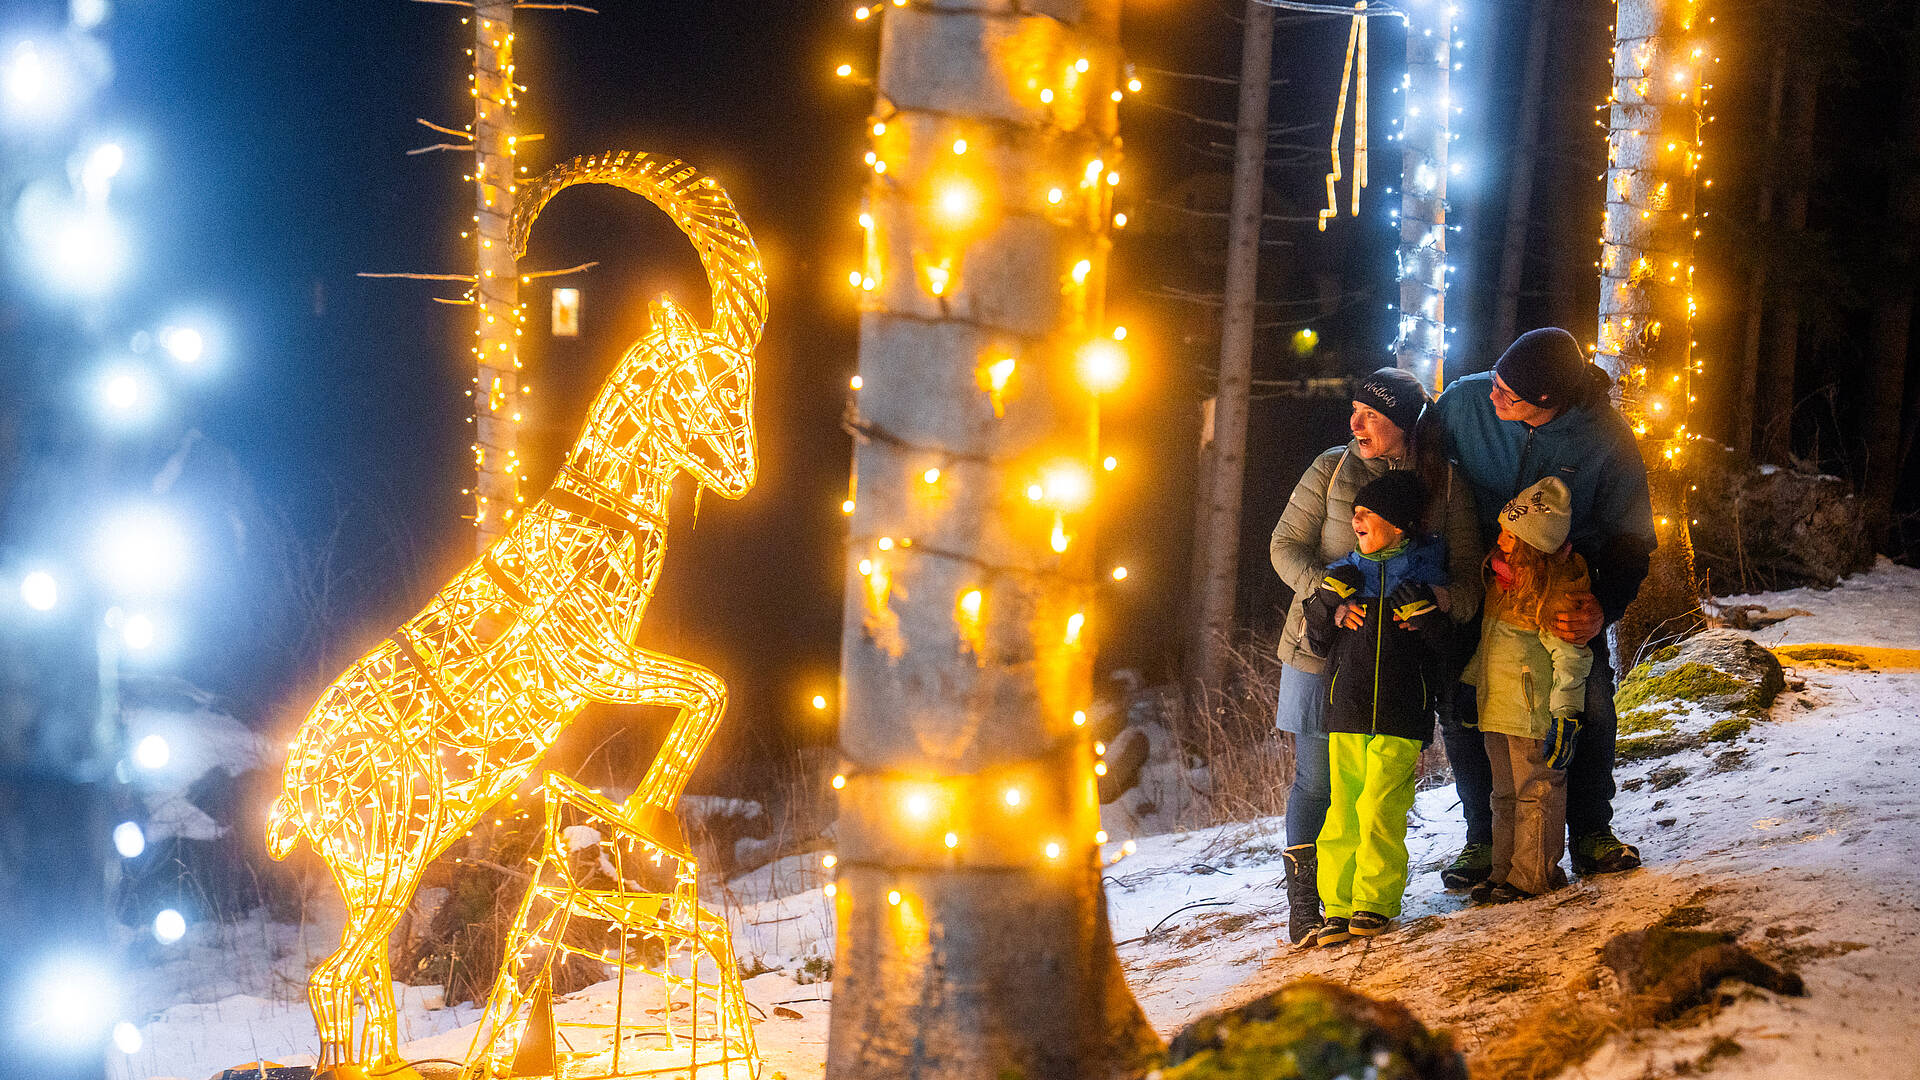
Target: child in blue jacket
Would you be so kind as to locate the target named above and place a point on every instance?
(1379, 618)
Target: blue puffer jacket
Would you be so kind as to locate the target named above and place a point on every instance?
(1385, 675)
(1590, 447)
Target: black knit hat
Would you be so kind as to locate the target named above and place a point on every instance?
(1544, 367)
(1397, 496)
(1394, 394)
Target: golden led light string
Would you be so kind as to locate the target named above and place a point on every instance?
(411, 746)
(1353, 74)
(954, 202)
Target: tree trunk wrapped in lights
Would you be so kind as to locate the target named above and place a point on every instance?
(496, 293)
(972, 930)
(1646, 279)
(1422, 344)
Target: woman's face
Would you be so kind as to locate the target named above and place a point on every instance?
(1506, 542)
(1374, 435)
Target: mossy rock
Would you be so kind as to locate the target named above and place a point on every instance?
(1722, 670)
(1729, 728)
(1658, 745)
(1644, 721)
(1311, 1029)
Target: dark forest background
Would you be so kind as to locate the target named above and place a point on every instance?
(323, 465)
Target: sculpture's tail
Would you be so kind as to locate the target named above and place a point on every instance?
(283, 826)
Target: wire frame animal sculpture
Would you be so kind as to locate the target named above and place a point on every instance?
(609, 889)
(414, 742)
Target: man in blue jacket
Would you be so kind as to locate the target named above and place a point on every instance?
(1544, 410)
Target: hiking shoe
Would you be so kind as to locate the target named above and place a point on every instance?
(1505, 893)
(1482, 892)
(1332, 932)
(1603, 853)
(1368, 924)
(1470, 867)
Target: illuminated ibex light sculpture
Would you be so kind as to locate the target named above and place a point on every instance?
(419, 738)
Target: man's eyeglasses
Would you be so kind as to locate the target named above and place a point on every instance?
(1503, 395)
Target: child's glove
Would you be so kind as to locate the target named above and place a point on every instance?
(1561, 738)
(1410, 601)
(1340, 585)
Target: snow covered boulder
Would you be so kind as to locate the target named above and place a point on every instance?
(1311, 1029)
(1762, 527)
(1708, 688)
(737, 831)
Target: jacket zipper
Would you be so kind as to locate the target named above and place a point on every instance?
(1520, 470)
(1379, 642)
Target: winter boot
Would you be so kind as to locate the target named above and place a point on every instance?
(1303, 891)
(1332, 932)
(1368, 924)
(1505, 893)
(1603, 853)
(1482, 891)
(1468, 868)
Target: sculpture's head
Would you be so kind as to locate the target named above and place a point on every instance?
(699, 401)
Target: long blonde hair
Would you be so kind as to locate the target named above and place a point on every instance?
(1539, 578)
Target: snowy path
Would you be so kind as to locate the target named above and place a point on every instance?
(1801, 836)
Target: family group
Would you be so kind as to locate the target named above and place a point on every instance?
(1459, 557)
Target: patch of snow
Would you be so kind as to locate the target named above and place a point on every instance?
(1877, 607)
(1799, 836)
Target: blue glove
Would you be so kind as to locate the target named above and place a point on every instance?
(1561, 738)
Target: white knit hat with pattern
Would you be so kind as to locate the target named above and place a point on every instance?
(1541, 515)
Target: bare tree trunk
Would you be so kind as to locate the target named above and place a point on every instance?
(496, 293)
(1743, 382)
(1513, 239)
(1893, 313)
(1779, 359)
(1218, 550)
(971, 925)
(1646, 281)
(1422, 344)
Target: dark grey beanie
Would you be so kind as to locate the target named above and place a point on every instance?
(1394, 394)
(1544, 367)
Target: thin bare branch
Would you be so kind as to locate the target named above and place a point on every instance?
(556, 7)
(421, 277)
(456, 303)
(556, 273)
(444, 130)
(437, 146)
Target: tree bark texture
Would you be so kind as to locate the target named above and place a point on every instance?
(1513, 239)
(1779, 354)
(1218, 550)
(1421, 347)
(1742, 382)
(972, 938)
(1646, 278)
(496, 291)
(1888, 343)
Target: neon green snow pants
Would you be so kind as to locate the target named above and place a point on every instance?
(1363, 845)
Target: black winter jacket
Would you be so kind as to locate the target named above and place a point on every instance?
(1386, 676)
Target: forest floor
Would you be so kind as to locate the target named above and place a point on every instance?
(1799, 838)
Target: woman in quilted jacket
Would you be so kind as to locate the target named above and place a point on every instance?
(1316, 530)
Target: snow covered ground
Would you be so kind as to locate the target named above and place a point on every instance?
(1801, 837)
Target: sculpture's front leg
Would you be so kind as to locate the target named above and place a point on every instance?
(643, 677)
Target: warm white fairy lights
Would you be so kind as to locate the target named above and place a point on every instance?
(937, 194)
(417, 740)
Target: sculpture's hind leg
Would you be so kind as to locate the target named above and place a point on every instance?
(649, 678)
